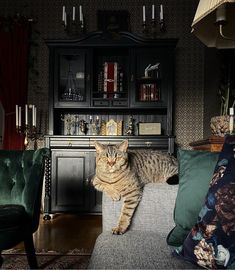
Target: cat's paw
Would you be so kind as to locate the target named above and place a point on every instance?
(118, 230)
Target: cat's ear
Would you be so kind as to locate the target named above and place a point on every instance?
(123, 146)
(99, 147)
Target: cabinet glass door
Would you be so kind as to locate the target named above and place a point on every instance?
(111, 69)
(149, 80)
(71, 86)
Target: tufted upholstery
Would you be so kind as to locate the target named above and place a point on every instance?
(21, 179)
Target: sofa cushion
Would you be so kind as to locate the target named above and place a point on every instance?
(11, 216)
(156, 207)
(13, 222)
(211, 241)
(134, 250)
(195, 172)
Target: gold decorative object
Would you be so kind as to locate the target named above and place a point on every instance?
(119, 128)
(103, 128)
(111, 128)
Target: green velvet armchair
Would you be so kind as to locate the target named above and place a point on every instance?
(21, 180)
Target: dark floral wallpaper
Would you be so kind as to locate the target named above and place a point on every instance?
(178, 14)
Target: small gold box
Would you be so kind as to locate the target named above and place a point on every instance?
(149, 128)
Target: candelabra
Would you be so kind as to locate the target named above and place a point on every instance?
(153, 29)
(29, 129)
(94, 126)
(71, 24)
(130, 128)
(70, 121)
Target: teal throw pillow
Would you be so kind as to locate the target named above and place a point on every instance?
(195, 171)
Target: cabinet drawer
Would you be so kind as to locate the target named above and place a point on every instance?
(119, 103)
(67, 142)
(101, 103)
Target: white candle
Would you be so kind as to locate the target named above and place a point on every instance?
(73, 13)
(161, 12)
(231, 111)
(65, 19)
(33, 117)
(153, 12)
(144, 14)
(63, 13)
(17, 116)
(26, 114)
(80, 14)
(231, 120)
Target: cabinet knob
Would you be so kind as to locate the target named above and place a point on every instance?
(87, 181)
(70, 144)
(148, 144)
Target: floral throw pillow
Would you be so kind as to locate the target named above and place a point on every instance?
(211, 242)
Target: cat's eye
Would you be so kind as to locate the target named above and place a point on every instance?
(107, 155)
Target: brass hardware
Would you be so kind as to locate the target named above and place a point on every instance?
(148, 144)
(87, 181)
(70, 144)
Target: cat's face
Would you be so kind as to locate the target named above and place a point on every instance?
(111, 158)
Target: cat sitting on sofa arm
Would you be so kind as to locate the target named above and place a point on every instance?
(123, 174)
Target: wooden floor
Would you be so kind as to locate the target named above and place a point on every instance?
(66, 232)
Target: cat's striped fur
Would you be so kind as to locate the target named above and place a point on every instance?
(122, 173)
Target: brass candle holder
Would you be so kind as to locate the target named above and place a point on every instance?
(29, 131)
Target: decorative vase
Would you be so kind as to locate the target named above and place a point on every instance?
(219, 125)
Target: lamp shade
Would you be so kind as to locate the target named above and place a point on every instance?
(204, 24)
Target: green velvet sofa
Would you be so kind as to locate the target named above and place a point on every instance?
(21, 180)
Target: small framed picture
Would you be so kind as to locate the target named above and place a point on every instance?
(149, 128)
(113, 128)
(113, 20)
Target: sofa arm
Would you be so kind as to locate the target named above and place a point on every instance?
(154, 213)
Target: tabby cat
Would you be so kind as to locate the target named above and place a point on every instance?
(122, 173)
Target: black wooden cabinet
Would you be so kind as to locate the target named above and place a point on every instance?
(70, 170)
(71, 189)
(103, 77)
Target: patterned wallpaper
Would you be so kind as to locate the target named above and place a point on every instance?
(189, 68)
